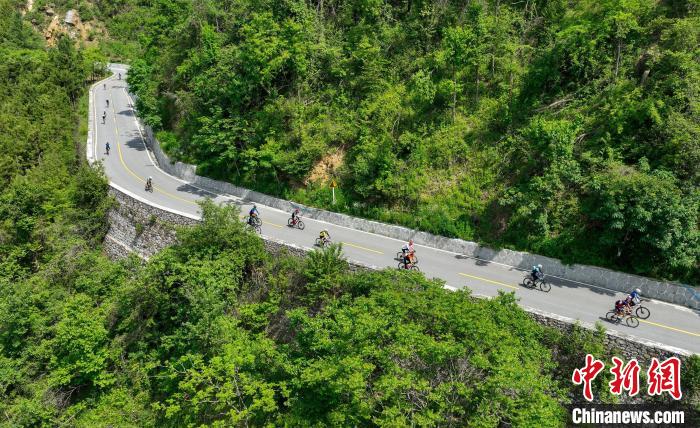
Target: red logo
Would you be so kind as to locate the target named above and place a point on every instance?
(586, 375)
(626, 378)
(665, 377)
(661, 377)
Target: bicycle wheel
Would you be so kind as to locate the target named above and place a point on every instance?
(318, 243)
(399, 255)
(545, 286)
(612, 317)
(300, 225)
(415, 268)
(642, 312)
(632, 321)
(290, 223)
(257, 221)
(527, 282)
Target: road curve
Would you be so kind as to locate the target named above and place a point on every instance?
(129, 163)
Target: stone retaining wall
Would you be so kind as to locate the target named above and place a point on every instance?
(156, 231)
(619, 344)
(141, 227)
(590, 275)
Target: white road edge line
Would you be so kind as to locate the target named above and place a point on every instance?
(153, 204)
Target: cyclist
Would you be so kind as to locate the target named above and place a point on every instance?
(104, 116)
(252, 214)
(635, 297)
(621, 308)
(120, 76)
(107, 103)
(149, 183)
(324, 236)
(407, 262)
(295, 216)
(536, 272)
(104, 85)
(409, 249)
(107, 147)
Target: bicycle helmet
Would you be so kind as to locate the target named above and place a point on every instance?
(638, 291)
(539, 266)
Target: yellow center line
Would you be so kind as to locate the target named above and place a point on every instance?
(362, 248)
(489, 280)
(121, 159)
(670, 328)
(644, 321)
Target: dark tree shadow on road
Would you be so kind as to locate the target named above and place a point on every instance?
(127, 113)
(135, 143)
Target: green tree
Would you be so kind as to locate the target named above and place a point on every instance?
(643, 216)
(67, 67)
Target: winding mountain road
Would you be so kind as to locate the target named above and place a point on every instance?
(129, 163)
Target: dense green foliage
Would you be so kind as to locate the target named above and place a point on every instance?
(565, 128)
(214, 331)
(51, 203)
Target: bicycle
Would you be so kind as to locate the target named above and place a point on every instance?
(615, 318)
(296, 223)
(399, 256)
(322, 242)
(255, 227)
(253, 221)
(540, 283)
(410, 266)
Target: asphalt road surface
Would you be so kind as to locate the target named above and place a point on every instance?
(129, 163)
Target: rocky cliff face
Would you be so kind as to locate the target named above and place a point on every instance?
(53, 23)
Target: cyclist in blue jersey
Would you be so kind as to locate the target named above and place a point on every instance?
(252, 215)
(536, 272)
